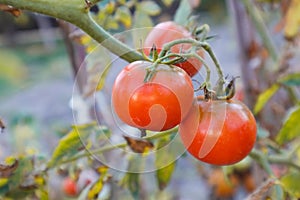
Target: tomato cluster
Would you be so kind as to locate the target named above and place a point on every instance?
(156, 96)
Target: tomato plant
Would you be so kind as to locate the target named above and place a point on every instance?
(70, 187)
(219, 132)
(156, 105)
(165, 32)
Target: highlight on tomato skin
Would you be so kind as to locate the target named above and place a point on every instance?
(219, 132)
(157, 105)
(168, 31)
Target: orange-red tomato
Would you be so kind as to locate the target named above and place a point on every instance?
(156, 105)
(219, 132)
(166, 32)
(70, 187)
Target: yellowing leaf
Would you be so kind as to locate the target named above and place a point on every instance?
(110, 7)
(168, 2)
(292, 24)
(85, 39)
(264, 98)
(12, 68)
(290, 183)
(290, 128)
(3, 182)
(95, 189)
(71, 143)
(123, 15)
(102, 79)
(111, 23)
(149, 7)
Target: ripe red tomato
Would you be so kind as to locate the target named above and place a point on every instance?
(157, 105)
(166, 32)
(70, 187)
(219, 132)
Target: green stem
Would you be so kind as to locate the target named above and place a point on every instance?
(261, 28)
(195, 55)
(204, 45)
(278, 159)
(77, 13)
(208, 49)
(116, 146)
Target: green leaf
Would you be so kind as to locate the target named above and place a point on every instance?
(291, 79)
(292, 22)
(149, 7)
(131, 180)
(164, 173)
(142, 24)
(168, 2)
(19, 177)
(183, 12)
(264, 97)
(70, 144)
(124, 16)
(290, 183)
(290, 128)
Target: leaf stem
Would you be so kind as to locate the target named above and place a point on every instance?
(115, 146)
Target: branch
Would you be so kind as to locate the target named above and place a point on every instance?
(76, 12)
(116, 146)
(261, 28)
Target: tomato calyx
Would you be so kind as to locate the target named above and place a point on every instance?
(169, 59)
(220, 92)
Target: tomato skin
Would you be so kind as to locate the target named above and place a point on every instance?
(70, 187)
(157, 105)
(168, 31)
(219, 132)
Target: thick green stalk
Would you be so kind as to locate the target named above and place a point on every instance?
(76, 12)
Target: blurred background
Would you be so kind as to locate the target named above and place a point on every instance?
(37, 84)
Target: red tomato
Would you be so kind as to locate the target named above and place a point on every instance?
(157, 105)
(166, 32)
(219, 132)
(70, 187)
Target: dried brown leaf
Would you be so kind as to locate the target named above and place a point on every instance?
(138, 146)
(14, 11)
(7, 170)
